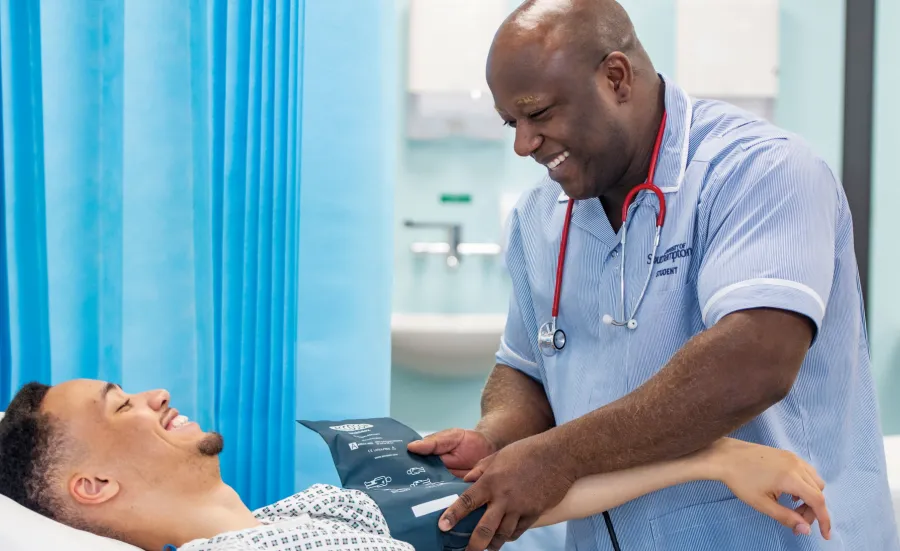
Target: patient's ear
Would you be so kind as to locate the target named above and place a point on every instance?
(92, 490)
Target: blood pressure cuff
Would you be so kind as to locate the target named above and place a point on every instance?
(412, 491)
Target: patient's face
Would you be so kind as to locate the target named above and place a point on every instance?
(128, 443)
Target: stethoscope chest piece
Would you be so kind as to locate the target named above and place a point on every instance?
(551, 339)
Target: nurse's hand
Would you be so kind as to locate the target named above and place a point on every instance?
(519, 483)
(758, 475)
(459, 449)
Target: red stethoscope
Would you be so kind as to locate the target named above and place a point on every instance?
(551, 338)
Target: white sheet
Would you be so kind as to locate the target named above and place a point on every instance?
(892, 453)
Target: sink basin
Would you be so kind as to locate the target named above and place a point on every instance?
(446, 345)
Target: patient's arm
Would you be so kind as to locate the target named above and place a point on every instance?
(756, 474)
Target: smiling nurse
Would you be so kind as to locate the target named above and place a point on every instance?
(746, 318)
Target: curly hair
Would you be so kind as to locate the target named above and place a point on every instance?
(33, 444)
(31, 447)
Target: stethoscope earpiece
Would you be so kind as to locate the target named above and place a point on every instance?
(608, 320)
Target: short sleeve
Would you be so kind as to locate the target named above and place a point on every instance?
(770, 238)
(516, 346)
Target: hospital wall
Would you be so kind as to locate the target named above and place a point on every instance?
(424, 284)
(884, 300)
(809, 103)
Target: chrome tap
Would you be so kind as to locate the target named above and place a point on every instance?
(454, 237)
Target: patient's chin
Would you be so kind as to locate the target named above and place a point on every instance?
(211, 445)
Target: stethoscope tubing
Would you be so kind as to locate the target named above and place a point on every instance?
(547, 340)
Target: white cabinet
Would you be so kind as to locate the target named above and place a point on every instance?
(728, 49)
(447, 93)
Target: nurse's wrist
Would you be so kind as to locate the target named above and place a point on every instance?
(554, 444)
(492, 428)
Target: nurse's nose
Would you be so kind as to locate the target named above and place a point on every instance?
(527, 140)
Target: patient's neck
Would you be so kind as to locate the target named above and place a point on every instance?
(184, 518)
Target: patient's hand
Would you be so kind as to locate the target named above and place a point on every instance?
(758, 475)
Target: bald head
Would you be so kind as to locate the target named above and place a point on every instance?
(587, 30)
(574, 81)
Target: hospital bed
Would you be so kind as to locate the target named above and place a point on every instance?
(23, 530)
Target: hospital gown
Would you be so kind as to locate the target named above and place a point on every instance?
(321, 518)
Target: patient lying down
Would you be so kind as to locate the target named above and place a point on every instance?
(126, 466)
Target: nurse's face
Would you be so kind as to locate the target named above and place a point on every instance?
(568, 115)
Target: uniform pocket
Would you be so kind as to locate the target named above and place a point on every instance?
(728, 524)
(673, 298)
(665, 322)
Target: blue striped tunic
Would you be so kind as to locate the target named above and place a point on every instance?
(754, 219)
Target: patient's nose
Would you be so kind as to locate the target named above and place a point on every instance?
(157, 399)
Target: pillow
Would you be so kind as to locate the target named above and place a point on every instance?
(24, 530)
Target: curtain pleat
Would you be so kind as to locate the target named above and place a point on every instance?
(150, 185)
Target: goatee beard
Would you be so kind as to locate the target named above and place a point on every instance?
(211, 445)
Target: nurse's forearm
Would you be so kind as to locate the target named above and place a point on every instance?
(513, 407)
(720, 380)
(594, 494)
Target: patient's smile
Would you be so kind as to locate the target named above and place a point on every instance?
(172, 420)
(177, 423)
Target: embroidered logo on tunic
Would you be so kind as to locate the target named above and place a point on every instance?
(672, 254)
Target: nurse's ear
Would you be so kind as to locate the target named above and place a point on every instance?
(616, 76)
(92, 489)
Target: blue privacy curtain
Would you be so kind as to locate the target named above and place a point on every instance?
(150, 188)
(152, 206)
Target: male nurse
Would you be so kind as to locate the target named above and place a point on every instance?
(752, 323)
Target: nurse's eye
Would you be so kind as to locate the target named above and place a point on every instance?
(539, 114)
(125, 405)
